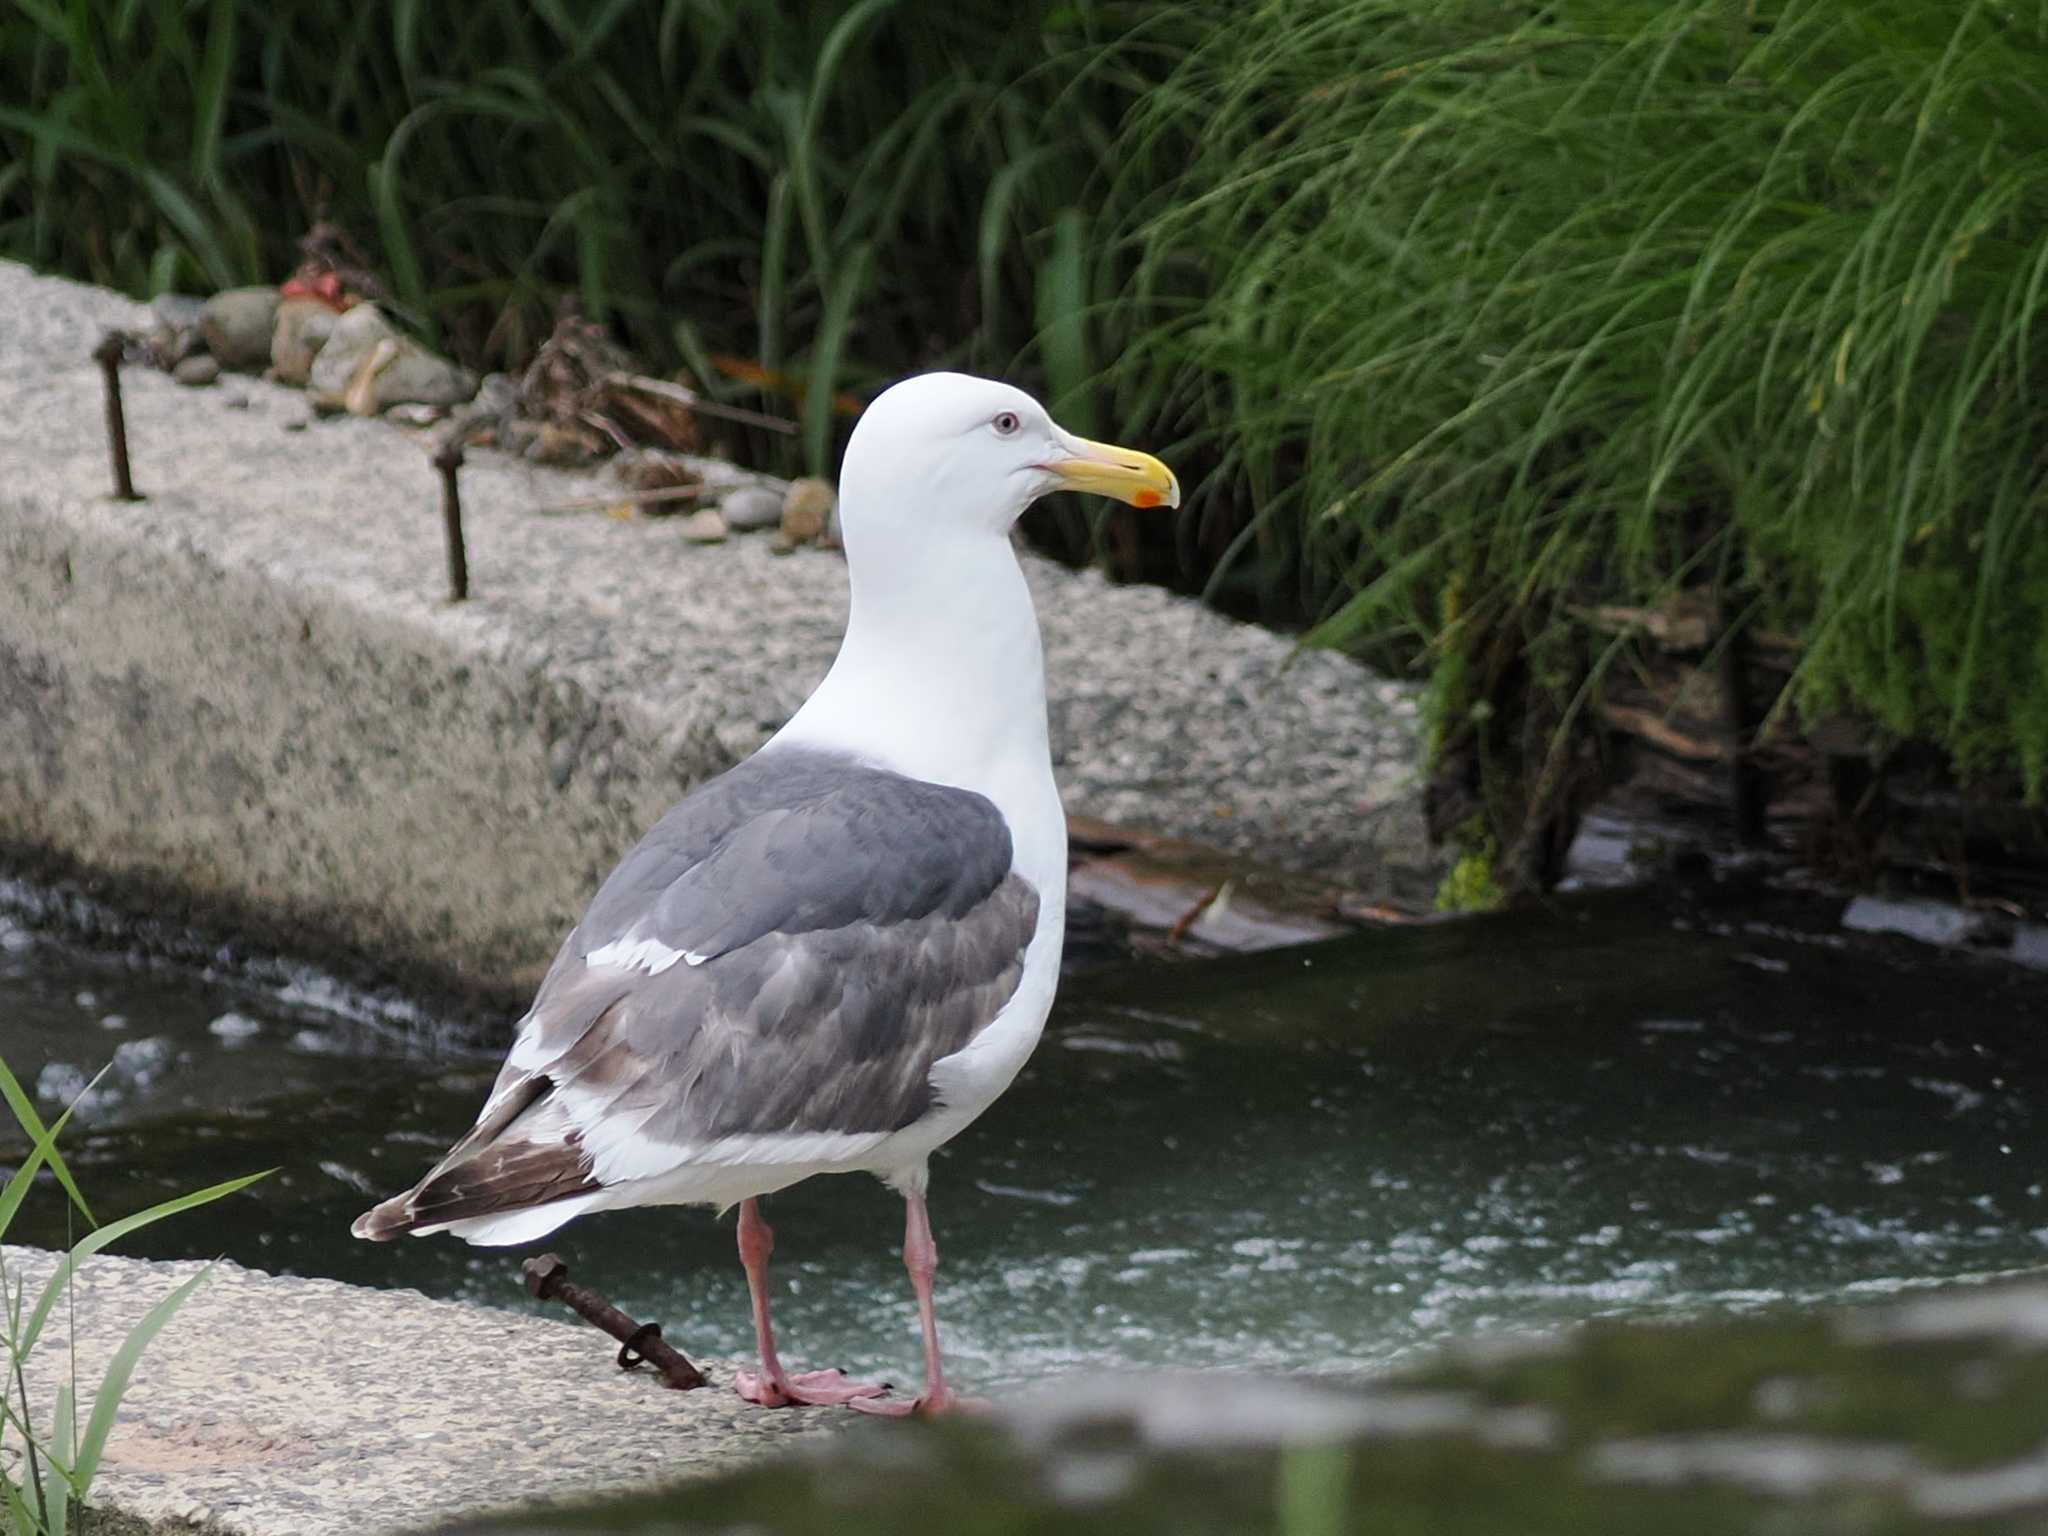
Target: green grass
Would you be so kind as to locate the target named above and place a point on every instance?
(1491, 309)
(53, 1461)
(833, 192)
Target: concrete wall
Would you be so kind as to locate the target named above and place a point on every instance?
(247, 692)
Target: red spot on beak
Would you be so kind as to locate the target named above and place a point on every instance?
(1146, 498)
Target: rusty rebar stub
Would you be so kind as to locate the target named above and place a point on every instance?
(630, 1352)
(447, 462)
(113, 346)
(547, 1279)
(542, 1272)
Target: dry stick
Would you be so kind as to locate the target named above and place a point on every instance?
(547, 1277)
(635, 498)
(448, 459)
(696, 402)
(108, 355)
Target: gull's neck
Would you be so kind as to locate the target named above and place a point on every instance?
(941, 675)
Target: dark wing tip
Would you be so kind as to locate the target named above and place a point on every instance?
(501, 1178)
(394, 1218)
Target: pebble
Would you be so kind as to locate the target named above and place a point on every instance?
(752, 508)
(176, 333)
(237, 323)
(179, 311)
(704, 526)
(200, 368)
(366, 366)
(806, 506)
(302, 329)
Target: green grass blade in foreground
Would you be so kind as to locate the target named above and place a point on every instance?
(23, 1178)
(20, 1517)
(45, 1140)
(112, 1232)
(106, 1401)
(59, 1482)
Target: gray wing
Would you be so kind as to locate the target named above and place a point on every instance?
(785, 954)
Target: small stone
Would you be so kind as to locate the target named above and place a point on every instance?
(419, 377)
(302, 329)
(413, 414)
(752, 508)
(704, 526)
(805, 508)
(237, 323)
(488, 417)
(366, 366)
(175, 334)
(199, 369)
(179, 311)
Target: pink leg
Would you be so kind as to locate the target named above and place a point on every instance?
(921, 1258)
(773, 1387)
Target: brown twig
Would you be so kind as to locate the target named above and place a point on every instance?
(1189, 918)
(547, 1278)
(692, 400)
(108, 355)
(636, 498)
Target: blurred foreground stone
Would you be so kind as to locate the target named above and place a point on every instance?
(275, 1406)
(1926, 1416)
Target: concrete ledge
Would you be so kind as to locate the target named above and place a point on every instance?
(274, 1406)
(248, 689)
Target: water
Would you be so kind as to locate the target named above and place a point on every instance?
(1327, 1159)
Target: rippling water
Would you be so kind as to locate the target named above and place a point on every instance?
(1324, 1159)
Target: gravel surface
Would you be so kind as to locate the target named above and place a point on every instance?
(278, 1406)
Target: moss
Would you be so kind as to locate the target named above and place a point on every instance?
(1471, 885)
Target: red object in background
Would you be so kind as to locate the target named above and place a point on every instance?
(312, 281)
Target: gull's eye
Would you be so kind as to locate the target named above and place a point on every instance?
(1006, 424)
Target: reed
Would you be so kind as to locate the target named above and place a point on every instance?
(833, 193)
(1495, 309)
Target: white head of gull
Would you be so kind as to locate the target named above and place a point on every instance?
(836, 956)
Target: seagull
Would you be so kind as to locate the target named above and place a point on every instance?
(833, 957)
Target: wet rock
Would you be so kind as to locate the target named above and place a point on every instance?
(237, 324)
(752, 508)
(199, 369)
(366, 366)
(302, 329)
(703, 527)
(806, 509)
(136, 1066)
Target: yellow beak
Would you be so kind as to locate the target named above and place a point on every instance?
(1124, 473)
